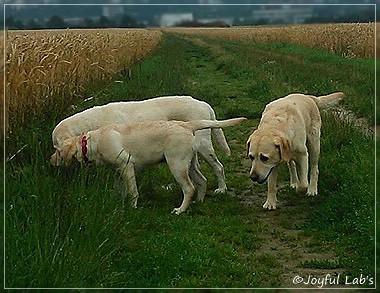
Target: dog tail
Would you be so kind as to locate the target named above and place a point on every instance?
(195, 125)
(218, 135)
(327, 101)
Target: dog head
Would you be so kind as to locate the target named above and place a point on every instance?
(64, 154)
(266, 149)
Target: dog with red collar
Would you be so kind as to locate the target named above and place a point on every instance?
(130, 147)
(180, 108)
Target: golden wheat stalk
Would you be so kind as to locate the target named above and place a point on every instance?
(44, 67)
(348, 39)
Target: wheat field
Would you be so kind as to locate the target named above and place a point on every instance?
(2, 96)
(71, 228)
(347, 39)
(44, 68)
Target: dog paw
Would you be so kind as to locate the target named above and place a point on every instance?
(133, 202)
(293, 185)
(176, 211)
(269, 205)
(200, 199)
(312, 192)
(220, 190)
(301, 189)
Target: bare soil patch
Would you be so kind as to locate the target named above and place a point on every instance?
(285, 241)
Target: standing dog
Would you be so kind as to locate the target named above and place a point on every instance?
(132, 146)
(289, 132)
(181, 108)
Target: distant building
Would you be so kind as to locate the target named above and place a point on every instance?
(210, 1)
(112, 10)
(283, 13)
(228, 21)
(172, 19)
(73, 21)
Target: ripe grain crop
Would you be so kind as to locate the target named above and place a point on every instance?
(2, 100)
(45, 69)
(348, 39)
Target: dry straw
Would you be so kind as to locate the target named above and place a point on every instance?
(349, 39)
(45, 68)
(2, 100)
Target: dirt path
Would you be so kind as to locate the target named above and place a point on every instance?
(370, 131)
(300, 259)
(285, 240)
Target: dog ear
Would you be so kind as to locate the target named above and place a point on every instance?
(69, 151)
(285, 148)
(248, 145)
(54, 158)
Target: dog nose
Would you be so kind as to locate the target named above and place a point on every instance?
(254, 177)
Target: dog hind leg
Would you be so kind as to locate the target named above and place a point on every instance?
(314, 150)
(198, 178)
(180, 171)
(204, 147)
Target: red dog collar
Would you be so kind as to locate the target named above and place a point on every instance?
(84, 148)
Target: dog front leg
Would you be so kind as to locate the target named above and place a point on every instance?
(128, 173)
(270, 203)
(302, 170)
(294, 182)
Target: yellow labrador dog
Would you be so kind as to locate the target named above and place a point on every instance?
(289, 132)
(181, 108)
(133, 146)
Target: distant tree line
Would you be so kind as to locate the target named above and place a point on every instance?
(195, 23)
(126, 21)
(57, 22)
(363, 15)
(320, 16)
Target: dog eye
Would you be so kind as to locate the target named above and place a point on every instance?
(264, 158)
(251, 157)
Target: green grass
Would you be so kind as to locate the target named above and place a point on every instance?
(321, 264)
(72, 228)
